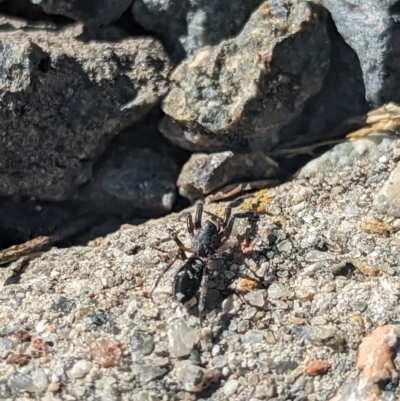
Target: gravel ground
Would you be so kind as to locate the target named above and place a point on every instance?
(76, 322)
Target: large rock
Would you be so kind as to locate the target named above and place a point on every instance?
(370, 27)
(188, 25)
(205, 173)
(138, 182)
(91, 12)
(63, 101)
(337, 108)
(137, 174)
(242, 92)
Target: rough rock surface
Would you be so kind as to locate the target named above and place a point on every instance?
(188, 25)
(372, 30)
(63, 101)
(93, 13)
(204, 173)
(76, 321)
(388, 198)
(242, 92)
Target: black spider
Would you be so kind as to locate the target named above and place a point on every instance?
(206, 240)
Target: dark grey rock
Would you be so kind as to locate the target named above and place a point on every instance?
(62, 101)
(96, 317)
(142, 343)
(91, 12)
(282, 367)
(360, 306)
(187, 25)
(323, 336)
(242, 92)
(372, 30)
(204, 173)
(335, 110)
(134, 182)
(63, 305)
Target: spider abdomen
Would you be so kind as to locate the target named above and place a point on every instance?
(188, 279)
(206, 239)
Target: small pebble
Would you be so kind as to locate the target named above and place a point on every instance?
(230, 387)
(40, 380)
(21, 382)
(219, 361)
(80, 369)
(360, 306)
(54, 387)
(216, 350)
(316, 368)
(97, 317)
(142, 343)
(193, 378)
(63, 305)
(253, 337)
(107, 353)
(181, 338)
(256, 298)
(278, 291)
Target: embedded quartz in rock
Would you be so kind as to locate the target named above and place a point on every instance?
(40, 380)
(80, 369)
(107, 353)
(256, 298)
(278, 291)
(182, 338)
(21, 382)
(194, 378)
(142, 343)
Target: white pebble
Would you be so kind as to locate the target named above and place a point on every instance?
(41, 326)
(80, 369)
(181, 338)
(230, 387)
(40, 380)
(216, 350)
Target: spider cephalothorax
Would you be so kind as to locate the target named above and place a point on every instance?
(206, 239)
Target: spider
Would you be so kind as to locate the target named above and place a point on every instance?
(206, 239)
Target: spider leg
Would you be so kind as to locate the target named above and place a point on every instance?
(189, 222)
(226, 232)
(228, 212)
(199, 212)
(203, 294)
(181, 254)
(180, 244)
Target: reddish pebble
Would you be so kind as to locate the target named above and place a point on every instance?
(107, 353)
(90, 294)
(38, 343)
(22, 335)
(375, 354)
(115, 303)
(246, 284)
(18, 359)
(317, 368)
